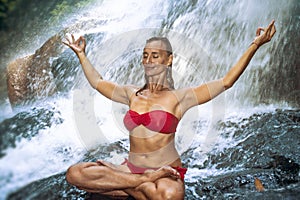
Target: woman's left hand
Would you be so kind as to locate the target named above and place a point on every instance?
(266, 36)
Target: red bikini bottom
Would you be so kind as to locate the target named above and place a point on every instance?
(140, 170)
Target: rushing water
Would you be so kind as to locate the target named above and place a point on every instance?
(230, 138)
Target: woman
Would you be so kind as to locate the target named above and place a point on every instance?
(153, 169)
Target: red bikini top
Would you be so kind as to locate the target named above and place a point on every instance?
(156, 120)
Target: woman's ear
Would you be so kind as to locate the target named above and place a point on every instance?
(170, 60)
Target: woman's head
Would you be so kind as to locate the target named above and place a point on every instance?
(158, 57)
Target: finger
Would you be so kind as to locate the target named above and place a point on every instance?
(273, 31)
(66, 43)
(73, 38)
(269, 28)
(271, 24)
(78, 41)
(259, 29)
(176, 173)
(83, 40)
(68, 40)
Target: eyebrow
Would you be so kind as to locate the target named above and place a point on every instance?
(152, 52)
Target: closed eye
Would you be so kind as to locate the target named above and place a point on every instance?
(145, 55)
(154, 55)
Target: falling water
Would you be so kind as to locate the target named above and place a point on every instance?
(208, 37)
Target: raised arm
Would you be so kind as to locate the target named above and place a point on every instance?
(208, 91)
(110, 90)
(234, 73)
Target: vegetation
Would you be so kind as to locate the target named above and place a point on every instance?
(14, 11)
(6, 7)
(67, 6)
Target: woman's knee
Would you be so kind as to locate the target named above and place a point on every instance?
(92, 177)
(76, 173)
(73, 174)
(171, 190)
(172, 194)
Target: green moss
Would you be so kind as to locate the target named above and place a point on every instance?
(67, 7)
(6, 7)
(60, 10)
(56, 10)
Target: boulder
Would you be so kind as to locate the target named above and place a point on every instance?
(31, 77)
(17, 81)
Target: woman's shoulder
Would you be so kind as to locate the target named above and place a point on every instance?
(186, 97)
(182, 91)
(131, 89)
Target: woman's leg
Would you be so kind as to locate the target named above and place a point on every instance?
(162, 189)
(102, 177)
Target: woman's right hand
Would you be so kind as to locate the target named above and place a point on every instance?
(78, 46)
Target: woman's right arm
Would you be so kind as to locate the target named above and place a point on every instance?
(108, 89)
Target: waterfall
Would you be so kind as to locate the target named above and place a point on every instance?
(208, 37)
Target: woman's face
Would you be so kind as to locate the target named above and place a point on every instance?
(155, 58)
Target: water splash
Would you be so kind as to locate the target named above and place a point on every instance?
(221, 30)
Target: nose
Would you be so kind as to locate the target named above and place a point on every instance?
(148, 59)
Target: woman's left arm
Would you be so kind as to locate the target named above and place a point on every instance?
(235, 72)
(208, 91)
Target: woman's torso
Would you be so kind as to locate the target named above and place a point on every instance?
(149, 148)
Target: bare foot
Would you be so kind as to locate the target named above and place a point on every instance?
(101, 162)
(107, 164)
(165, 171)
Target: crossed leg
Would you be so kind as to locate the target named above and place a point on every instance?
(114, 180)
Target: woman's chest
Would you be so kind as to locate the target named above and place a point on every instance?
(149, 102)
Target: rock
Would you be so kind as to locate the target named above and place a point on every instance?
(51, 69)
(56, 187)
(53, 188)
(17, 81)
(31, 77)
(26, 125)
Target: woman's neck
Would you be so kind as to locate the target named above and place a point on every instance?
(155, 87)
(157, 83)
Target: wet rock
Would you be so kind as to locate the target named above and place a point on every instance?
(50, 70)
(268, 149)
(286, 170)
(56, 187)
(277, 171)
(25, 125)
(53, 188)
(31, 76)
(17, 80)
(238, 185)
(261, 136)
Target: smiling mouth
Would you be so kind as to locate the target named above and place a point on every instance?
(149, 67)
